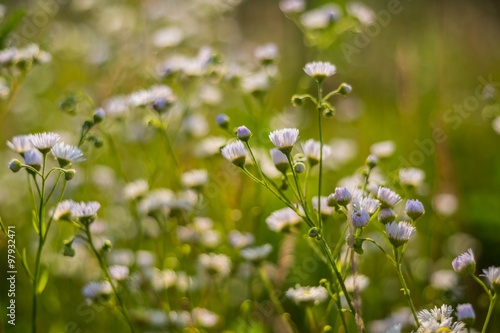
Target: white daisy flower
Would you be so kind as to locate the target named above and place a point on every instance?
(439, 320)
(399, 233)
(280, 160)
(240, 240)
(387, 197)
(136, 189)
(66, 154)
(321, 17)
(235, 153)
(194, 178)
(97, 291)
(312, 151)
(320, 70)
(307, 295)
(284, 139)
(204, 317)
(465, 263)
(411, 177)
(33, 158)
(257, 253)
(20, 144)
(85, 212)
(44, 141)
(492, 275)
(292, 6)
(283, 219)
(267, 53)
(218, 265)
(383, 149)
(119, 272)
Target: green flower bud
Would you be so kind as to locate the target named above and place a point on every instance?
(15, 166)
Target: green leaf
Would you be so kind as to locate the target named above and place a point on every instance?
(24, 262)
(34, 221)
(42, 282)
(10, 25)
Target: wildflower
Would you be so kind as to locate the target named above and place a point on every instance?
(280, 160)
(167, 37)
(15, 165)
(371, 161)
(323, 205)
(387, 197)
(359, 281)
(386, 215)
(136, 189)
(63, 211)
(97, 291)
(240, 240)
(383, 149)
(370, 205)
(99, 115)
(266, 54)
(465, 263)
(465, 313)
(444, 279)
(20, 144)
(256, 254)
(439, 320)
(299, 167)
(66, 154)
(163, 280)
(283, 219)
(358, 10)
(492, 275)
(411, 177)
(209, 146)
(235, 153)
(217, 265)
(34, 159)
(320, 70)
(44, 141)
(116, 106)
(284, 139)
(85, 212)
(360, 218)
(204, 317)
(119, 272)
(312, 151)
(307, 295)
(321, 17)
(256, 83)
(445, 204)
(194, 178)
(292, 6)
(144, 259)
(341, 196)
(399, 233)
(243, 133)
(159, 97)
(222, 121)
(414, 209)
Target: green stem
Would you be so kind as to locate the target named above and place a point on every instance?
(490, 311)
(105, 271)
(320, 101)
(381, 249)
(397, 260)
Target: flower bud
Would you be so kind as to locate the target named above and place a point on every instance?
(69, 174)
(299, 167)
(386, 215)
(414, 209)
(371, 161)
(342, 196)
(313, 232)
(345, 89)
(360, 218)
(15, 165)
(99, 115)
(243, 133)
(68, 250)
(222, 121)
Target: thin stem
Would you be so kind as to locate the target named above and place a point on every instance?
(381, 249)
(320, 101)
(296, 180)
(490, 311)
(403, 284)
(105, 270)
(478, 280)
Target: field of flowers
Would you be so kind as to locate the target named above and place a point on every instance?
(249, 166)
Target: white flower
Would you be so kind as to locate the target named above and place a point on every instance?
(63, 211)
(465, 312)
(97, 291)
(492, 275)
(312, 151)
(387, 197)
(257, 253)
(240, 240)
(144, 259)
(209, 146)
(66, 154)
(280, 160)
(85, 212)
(235, 153)
(411, 177)
(156, 201)
(135, 189)
(445, 204)
(44, 141)
(214, 264)
(119, 272)
(292, 6)
(399, 233)
(323, 205)
(156, 94)
(465, 263)
(167, 37)
(204, 317)
(439, 320)
(321, 17)
(33, 158)
(194, 178)
(266, 53)
(444, 279)
(116, 106)
(20, 144)
(283, 219)
(307, 295)
(284, 139)
(319, 70)
(383, 149)
(359, 281)
(163, 280)
(256, 82)
(364, 14)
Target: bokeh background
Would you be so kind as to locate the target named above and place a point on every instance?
(426, 79)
